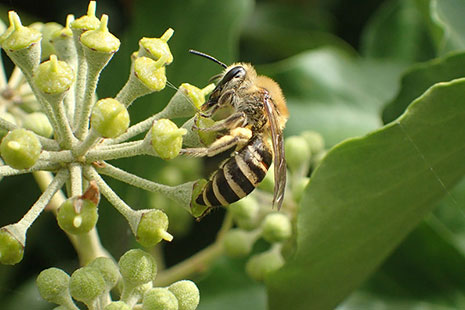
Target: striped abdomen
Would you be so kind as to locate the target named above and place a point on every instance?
(239, 175)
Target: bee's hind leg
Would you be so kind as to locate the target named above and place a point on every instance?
(235, 120)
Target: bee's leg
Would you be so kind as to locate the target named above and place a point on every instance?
(238, 136)
(235, 120)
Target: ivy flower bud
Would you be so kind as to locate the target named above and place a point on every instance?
(54, 76)
(276, 227)
(11, 250)
(314, 140)
(137, 267)
(297, 153)
(38, 122)
(19, 37)
(77, 215)
(86, 284)
(157, 48)
(101, 40)
(152, 228)
(238, 243)
(186, 293)
(167, 138)
(159, 299)
(63, 42)
(47, 30)
(20, 149)
(88, 21)
(53, 285)
(22, 44)
(198, 211)
(108, 269)
(117, 305)
(245, 212)
(260, 265)
(109, 118)
(148, 72)
(195, 94)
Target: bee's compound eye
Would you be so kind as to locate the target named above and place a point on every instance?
(234, 73)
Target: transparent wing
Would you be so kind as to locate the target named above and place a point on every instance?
(278, 151)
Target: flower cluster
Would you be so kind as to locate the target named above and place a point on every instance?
(53, 126)
(136, 270)
(256, 220)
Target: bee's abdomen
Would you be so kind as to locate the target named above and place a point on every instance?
(238, 176)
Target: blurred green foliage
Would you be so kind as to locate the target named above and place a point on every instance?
(346, 68)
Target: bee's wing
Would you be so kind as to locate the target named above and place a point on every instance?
(278, 151)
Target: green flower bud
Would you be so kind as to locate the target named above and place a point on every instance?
(54, 76)
(198, 211)
(245, 212)
(267, 183)
(109, 118)
(260, 265)
(276, 227)
(53, 285)
(11, 250)
(180, 220)
(157, 49)
(47, 31)
(20, 149)
(137, 267)
(297, 153)
(238, 243)
(152, 228)
(206, 137)
(314, 141)
(195, 94)
(299, 188)
(18, 37)
(186, 293)
(159, 299)
(148, 72)
(100, 39)
(38, 122)
(167, 138)
(8, 117)
(108, 269)
(77, 215)
(117, 305)
(89, 21)
(63, 42)
(86, 284)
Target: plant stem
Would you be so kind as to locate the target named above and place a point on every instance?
(85, 145)
(198, 262)
(6, 170)
(37, 208)
(116, 153)
(75, 171)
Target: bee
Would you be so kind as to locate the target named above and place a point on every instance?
(259, 114)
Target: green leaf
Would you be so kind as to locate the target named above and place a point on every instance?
(422, 76)
(448, 15)
(334, 93)
(398, 30)
(367, 195)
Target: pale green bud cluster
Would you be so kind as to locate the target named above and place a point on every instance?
(135, 271)
(255, 219)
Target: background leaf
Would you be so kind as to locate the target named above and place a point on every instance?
(367, 195)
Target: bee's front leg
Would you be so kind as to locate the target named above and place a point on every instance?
(237, 137)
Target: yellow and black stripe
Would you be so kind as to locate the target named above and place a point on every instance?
(239, 175)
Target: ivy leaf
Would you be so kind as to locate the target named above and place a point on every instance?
(422, 76)
(448, 15)
(367, 195)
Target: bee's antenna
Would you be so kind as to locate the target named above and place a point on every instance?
(208, 57)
